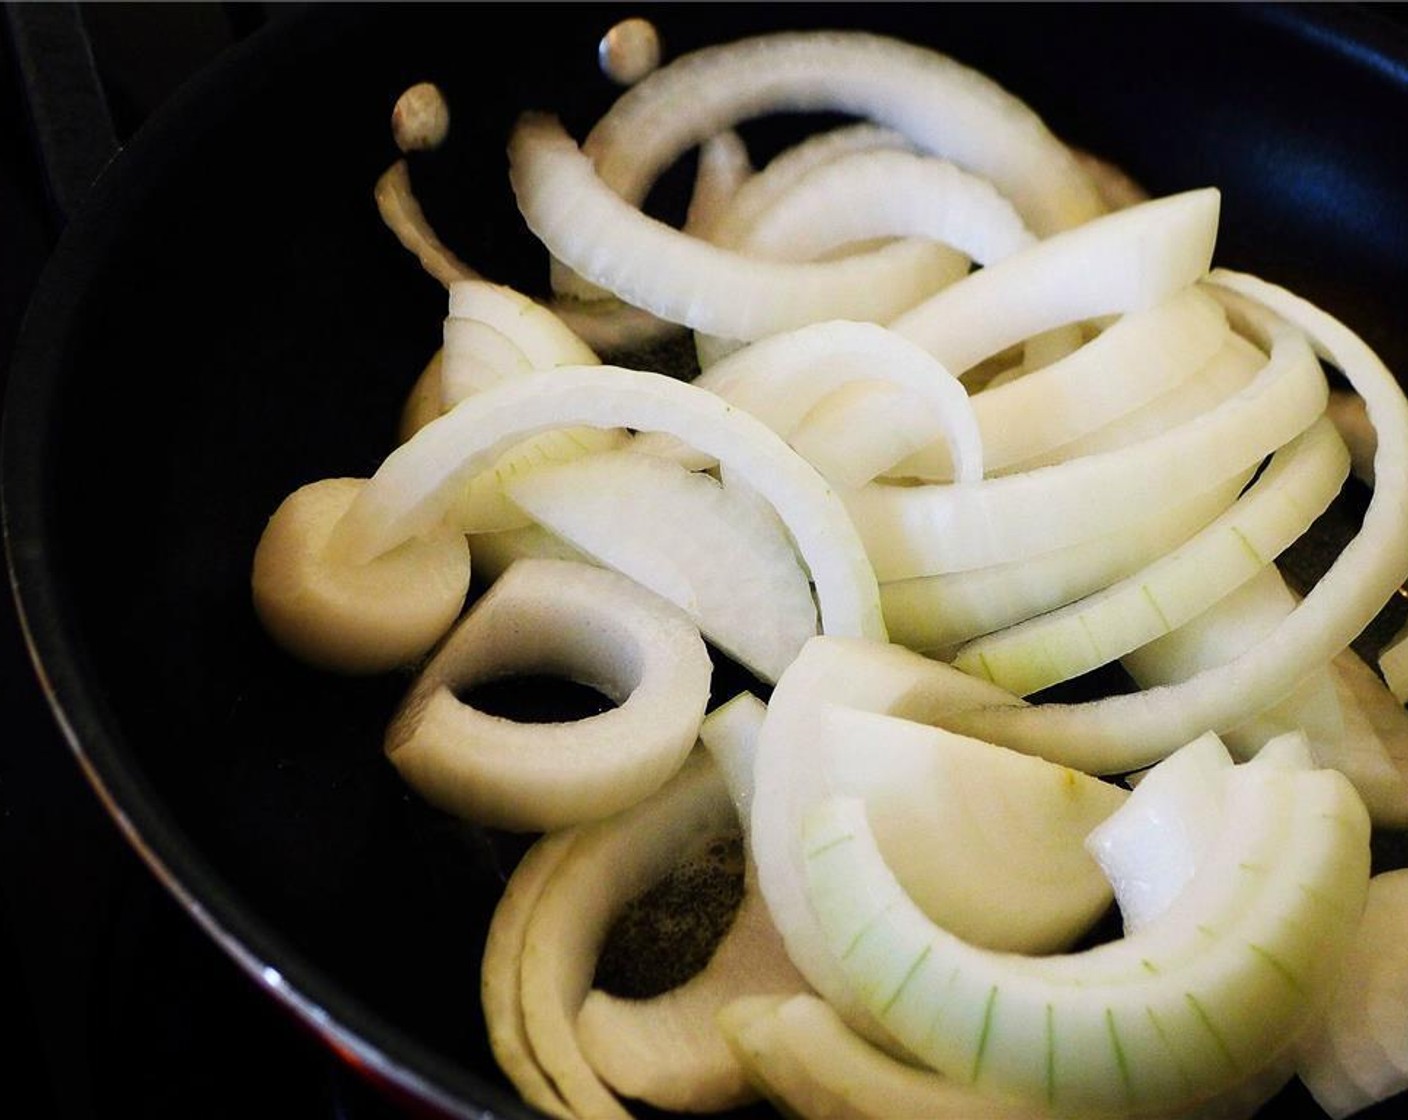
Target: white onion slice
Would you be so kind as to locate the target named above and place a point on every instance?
(567, 619)
(1298, 484)
(920, 530)
(1120, 733)
(942, 106)
(651, 265)
(1124, 261)
(416, 484)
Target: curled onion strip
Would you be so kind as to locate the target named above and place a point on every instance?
(1120, 733)
(416, 485)
(651, 265)
(562, 618)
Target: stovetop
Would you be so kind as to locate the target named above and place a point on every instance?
(119, 1004)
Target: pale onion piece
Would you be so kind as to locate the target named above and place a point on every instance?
(651, 265)
(779, 379)
(1151, 850)
(629, 51)
(500, 991)
(485, 505)
(420, 119)
(1346, 409)
(921, 530)
(494, 552)
(397, 204)
(856, 433)
(1227, 373)
(861, 196)
(669, 1050)
(934, 614)
(612, 862)
(725, 555)
(422, 404)
(1393, 664)
(416, 484)
(808, 1062)
(610, 326)
(988, 843)
(867, 675)
(769, 186)
(1297, 486)
(349, 616)
(561, 618)
(725, 168)
(539, 332)
(1203, 997)
(1354, 723)
(1124, 261)
(942, 106)
(475, 355)
(1357, 1055)
(1120, 733)
(730, 734)
(1123, 368)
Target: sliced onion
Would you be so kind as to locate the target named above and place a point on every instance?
(560, 618)
(651, 265)
(416, 484)
(1120, 733)
(920, 530)
(1124, 261)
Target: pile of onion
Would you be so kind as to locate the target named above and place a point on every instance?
(984, 472)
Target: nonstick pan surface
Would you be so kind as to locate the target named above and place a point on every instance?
(227, 318)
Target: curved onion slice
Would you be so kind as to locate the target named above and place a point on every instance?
(416, 484)
(1298, 485)
(1358, 1054)
(399, 209)
(920, 530)
(866, 675)
(1202, 997)
(500, 990)
(1123, 261)
(556, 617)
(780, 379)
(669, 1050)
(724, 169)
(1120, 733)
(806, 1060)
(943, 107)
(1126, 366)
(349, 617)
(651, 265)
(935, 613)
(727, 560)
(610, 863)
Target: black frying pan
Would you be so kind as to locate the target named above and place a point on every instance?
(226, 318)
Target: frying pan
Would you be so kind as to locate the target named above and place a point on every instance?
(226, 318)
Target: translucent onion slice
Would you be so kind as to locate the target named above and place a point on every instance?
(417, 483)
(1125, 261)
(942, 106)
(651, 265)
(559, 618)
(1201, 998)
(1141, 356)
(724, 169)
(356, 618)
(934, 614)
(611, 862)
(500, 990)
(1120, 733)
(780, 379)
(921, 530)
(397, 204)
(726, 557)
(1297, 486)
